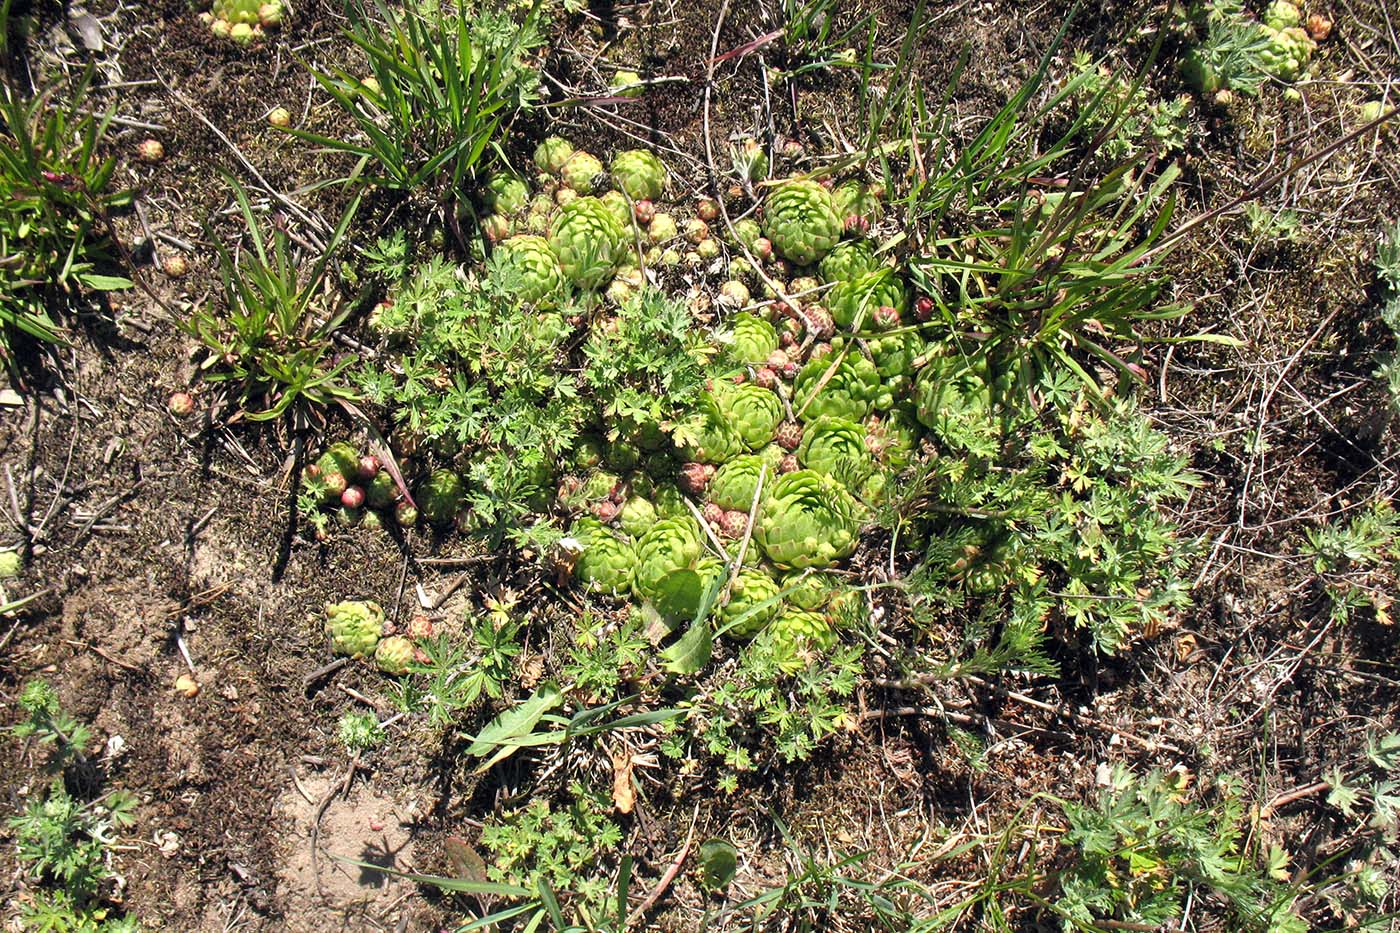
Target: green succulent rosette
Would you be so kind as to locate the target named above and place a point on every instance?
(752, 411)
(683, 592)
(606, 563)
(848, 260)
(617, 206)
(440, 496)
(855, 298)
(894, 353)
(747, 232)
(754, 339)
(532, 260)
(809, 590)
(745, 615)
(537, 480)
(597, 486)
(340, 459)
(623, 455)
(855, 199)
(773, 455)
(588, 242)
(641, 484)
(753, 557)
(710, 437)
(237, 18)
(852, 391)
(354, 627)
(394, 654)
(636, 517)
(551, 154)
(663, 229)
(589, 451)
(1199, 73)
(639, 173)
(623, 81)
(671, 546)
(646, 432)
(1286, 52)
(581, 172)
(505, 193)
(381, 492)
(801, 221)
(836, 447)
(797, 636)
(733, 487)
(1282, 14)
(669, 502)
(807, 520)
(585, 526)
(236, 11)
(954, 402)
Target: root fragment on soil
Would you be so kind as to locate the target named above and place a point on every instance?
(325, 670)
(124, 665)
(670, 875)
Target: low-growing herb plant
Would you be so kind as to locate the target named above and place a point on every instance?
(65, 842)
(558, 849)
(359, 732)
(794, 703)
(823, 889)
(56, 202)
(1120, 111)
(1268, 225)
(1388, 279)
(1069, 524)
(1355, 560)
(489, 384)
(444, 81)
(48, 723)
(1146, 847)
(454, 675)
(273, 339)
(1234, 51)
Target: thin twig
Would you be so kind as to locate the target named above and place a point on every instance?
(1283, 800)
(104, 655)
(675, 866)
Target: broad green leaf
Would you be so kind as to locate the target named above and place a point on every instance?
(680, 595)
(718, 862)
(691, 652)
(104, 283)
(503, 733)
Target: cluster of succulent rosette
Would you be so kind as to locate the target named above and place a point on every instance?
(359, 629)
(1280, 46)
(355, 486)
(817, 395)
(751, 500)
(243, 20)
(581, 225)
(1289, 46)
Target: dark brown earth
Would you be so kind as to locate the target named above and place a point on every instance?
(146, 532)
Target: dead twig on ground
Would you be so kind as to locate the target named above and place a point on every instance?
(124, 665)
(672, 870)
